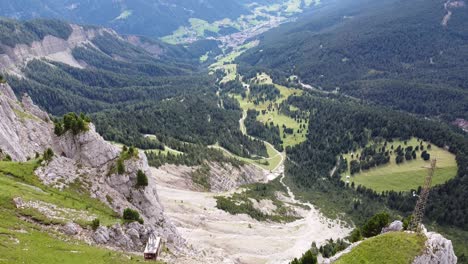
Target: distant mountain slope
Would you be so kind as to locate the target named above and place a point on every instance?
(130, 85)
(405, 54)
(144, 17)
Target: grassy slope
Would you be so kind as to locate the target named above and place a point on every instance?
(408, 175)
(24, 242)
(391, 248)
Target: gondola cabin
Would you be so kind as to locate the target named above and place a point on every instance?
(153, 248)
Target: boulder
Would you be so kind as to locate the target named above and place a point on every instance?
(101, 235)
(71, 229)
(395, 226)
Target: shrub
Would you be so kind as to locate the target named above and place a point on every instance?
(374, 225)
(7, 158)
(142, 179)
(307, 258)
(355, 236)
(120, 167)
(407, 221)
(73, 122)
(95, 224)
(48, 155)
(132, 215)
(332, 247)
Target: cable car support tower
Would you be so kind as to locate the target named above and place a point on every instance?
(419, 209)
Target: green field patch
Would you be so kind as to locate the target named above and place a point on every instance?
(389, 248)
(268, 163)
(24, 242)
(200, 26)
(407, 175)
(274, 115)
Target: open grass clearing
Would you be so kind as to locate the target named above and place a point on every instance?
(408, 175)
(274, 116)
(270, 163)
(389, 248)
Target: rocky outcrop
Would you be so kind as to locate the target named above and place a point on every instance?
(438, 250)
(225, 177)
(132, 236)
(395, 226)
(24, 129)
(222, 176)
(89, 160)
(50, 47)
(88, 149)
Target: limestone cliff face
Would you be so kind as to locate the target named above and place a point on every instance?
(50, 47)
(90, 160)
(438, 250)
(24, 128)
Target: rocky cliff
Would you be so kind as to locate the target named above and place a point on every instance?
(438, 250)
(89, 160)
(51, 48)
(24, 129)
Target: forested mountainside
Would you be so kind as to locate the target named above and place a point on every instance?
(320, 91)
(141, 17)
(128, 90)
(405, 54)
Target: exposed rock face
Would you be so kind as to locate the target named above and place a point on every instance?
(225, 177)
(50, 47)
(89, 149)
(24, 128)
(131, 236)
(222, 177)
(153, 48)
(88, 159)
(438, 250)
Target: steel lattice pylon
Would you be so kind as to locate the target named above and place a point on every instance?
(420, 207)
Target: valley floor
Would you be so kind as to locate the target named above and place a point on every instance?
(216, 236)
